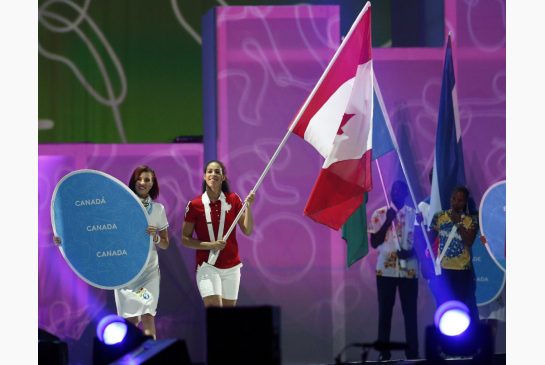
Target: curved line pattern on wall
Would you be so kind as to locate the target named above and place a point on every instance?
(111, 100)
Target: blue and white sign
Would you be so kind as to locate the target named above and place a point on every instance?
(492, 221)
(102, 226)
(490, 278)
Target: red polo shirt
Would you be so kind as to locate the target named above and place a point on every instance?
(228, 257)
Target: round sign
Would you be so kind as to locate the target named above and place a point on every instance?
(492, 221)
(102, 226)
(489, 277)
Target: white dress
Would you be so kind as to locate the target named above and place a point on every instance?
(142, 296)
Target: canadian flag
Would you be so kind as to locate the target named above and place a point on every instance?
(337, 120)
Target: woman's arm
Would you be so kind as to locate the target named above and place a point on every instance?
(246, 222)
(163, 241)
(160, 238)
(190, 242)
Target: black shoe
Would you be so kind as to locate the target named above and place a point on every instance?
(384, 356)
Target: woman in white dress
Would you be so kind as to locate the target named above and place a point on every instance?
(138, 301)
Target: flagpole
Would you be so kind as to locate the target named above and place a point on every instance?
(387, 204)
(260, 180)
(396, 147)
(382, 184)
(213, 255)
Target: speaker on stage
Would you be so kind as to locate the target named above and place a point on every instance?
(243, 335)
(51, 350)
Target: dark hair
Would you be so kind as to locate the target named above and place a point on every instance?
(154, 191)
(225, 184)
(462, 189)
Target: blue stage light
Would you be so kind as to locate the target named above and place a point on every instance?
(453, 334)
(112, 329)
(118, 341)
(452, 318)
(115, 333)
(115, 337)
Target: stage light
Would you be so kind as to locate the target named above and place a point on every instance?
(115, 333)
(119, 342)
(157, 352)
(115, 337)
(455, 335)
(111, 329)
(452, 318)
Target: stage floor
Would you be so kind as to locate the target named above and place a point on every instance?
(498, 359)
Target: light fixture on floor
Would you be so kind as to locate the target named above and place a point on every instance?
(119, 342)
(455, 335)
(115, 337)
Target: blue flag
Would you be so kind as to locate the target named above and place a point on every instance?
(354, 231)
(448, 167)
(382, 131)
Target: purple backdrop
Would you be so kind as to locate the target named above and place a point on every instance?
(69, 307)
(269, 58)
(264, 78)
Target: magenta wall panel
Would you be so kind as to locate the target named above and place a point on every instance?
(69, 307)
(268, 61)
(266, 68)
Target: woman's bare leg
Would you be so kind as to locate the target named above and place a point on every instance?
(212, 301)
(148, 322)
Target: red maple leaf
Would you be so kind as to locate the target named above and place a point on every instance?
(346, 118)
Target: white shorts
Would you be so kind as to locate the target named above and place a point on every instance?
(222, 282)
